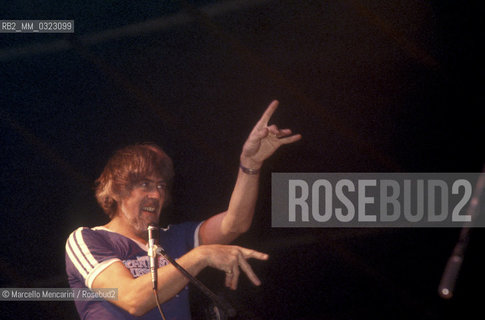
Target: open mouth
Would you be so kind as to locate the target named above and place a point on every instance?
(149, 209)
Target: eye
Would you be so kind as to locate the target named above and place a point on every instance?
(144, 184)
(162, 186)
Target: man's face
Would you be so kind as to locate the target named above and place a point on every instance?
(144, 203)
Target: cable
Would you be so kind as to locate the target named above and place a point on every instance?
(224, 305)
(158, 304)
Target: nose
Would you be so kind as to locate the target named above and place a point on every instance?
(155, 193)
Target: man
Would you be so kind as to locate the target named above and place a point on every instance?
(132, 190)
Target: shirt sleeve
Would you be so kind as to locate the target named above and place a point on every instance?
(87, 255)
(189, 231)
(178, 239)
(196, 235)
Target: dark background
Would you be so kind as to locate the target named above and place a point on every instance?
(373, 86)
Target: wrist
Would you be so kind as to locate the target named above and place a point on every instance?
(249, 165)
(202, 257)
(249, 171)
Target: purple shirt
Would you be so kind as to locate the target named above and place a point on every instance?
(89, 251)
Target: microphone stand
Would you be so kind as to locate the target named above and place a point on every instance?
(450, 275)
(231, 312)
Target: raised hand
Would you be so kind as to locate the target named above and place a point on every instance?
(264, 140)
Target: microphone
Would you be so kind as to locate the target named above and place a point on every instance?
(452, 269)
(153, 236)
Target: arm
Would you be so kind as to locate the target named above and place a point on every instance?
(135, 295)
(262, 142)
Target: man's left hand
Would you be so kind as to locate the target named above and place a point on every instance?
(264, 140)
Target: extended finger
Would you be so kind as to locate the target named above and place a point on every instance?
(228, 280)
(234, 277)
(290, 139)
(249, 253)
(268, 113)
(249, 271)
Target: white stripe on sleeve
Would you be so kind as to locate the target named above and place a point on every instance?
(97, 270)
(196, 235)
(74, 260)
(84, 248)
